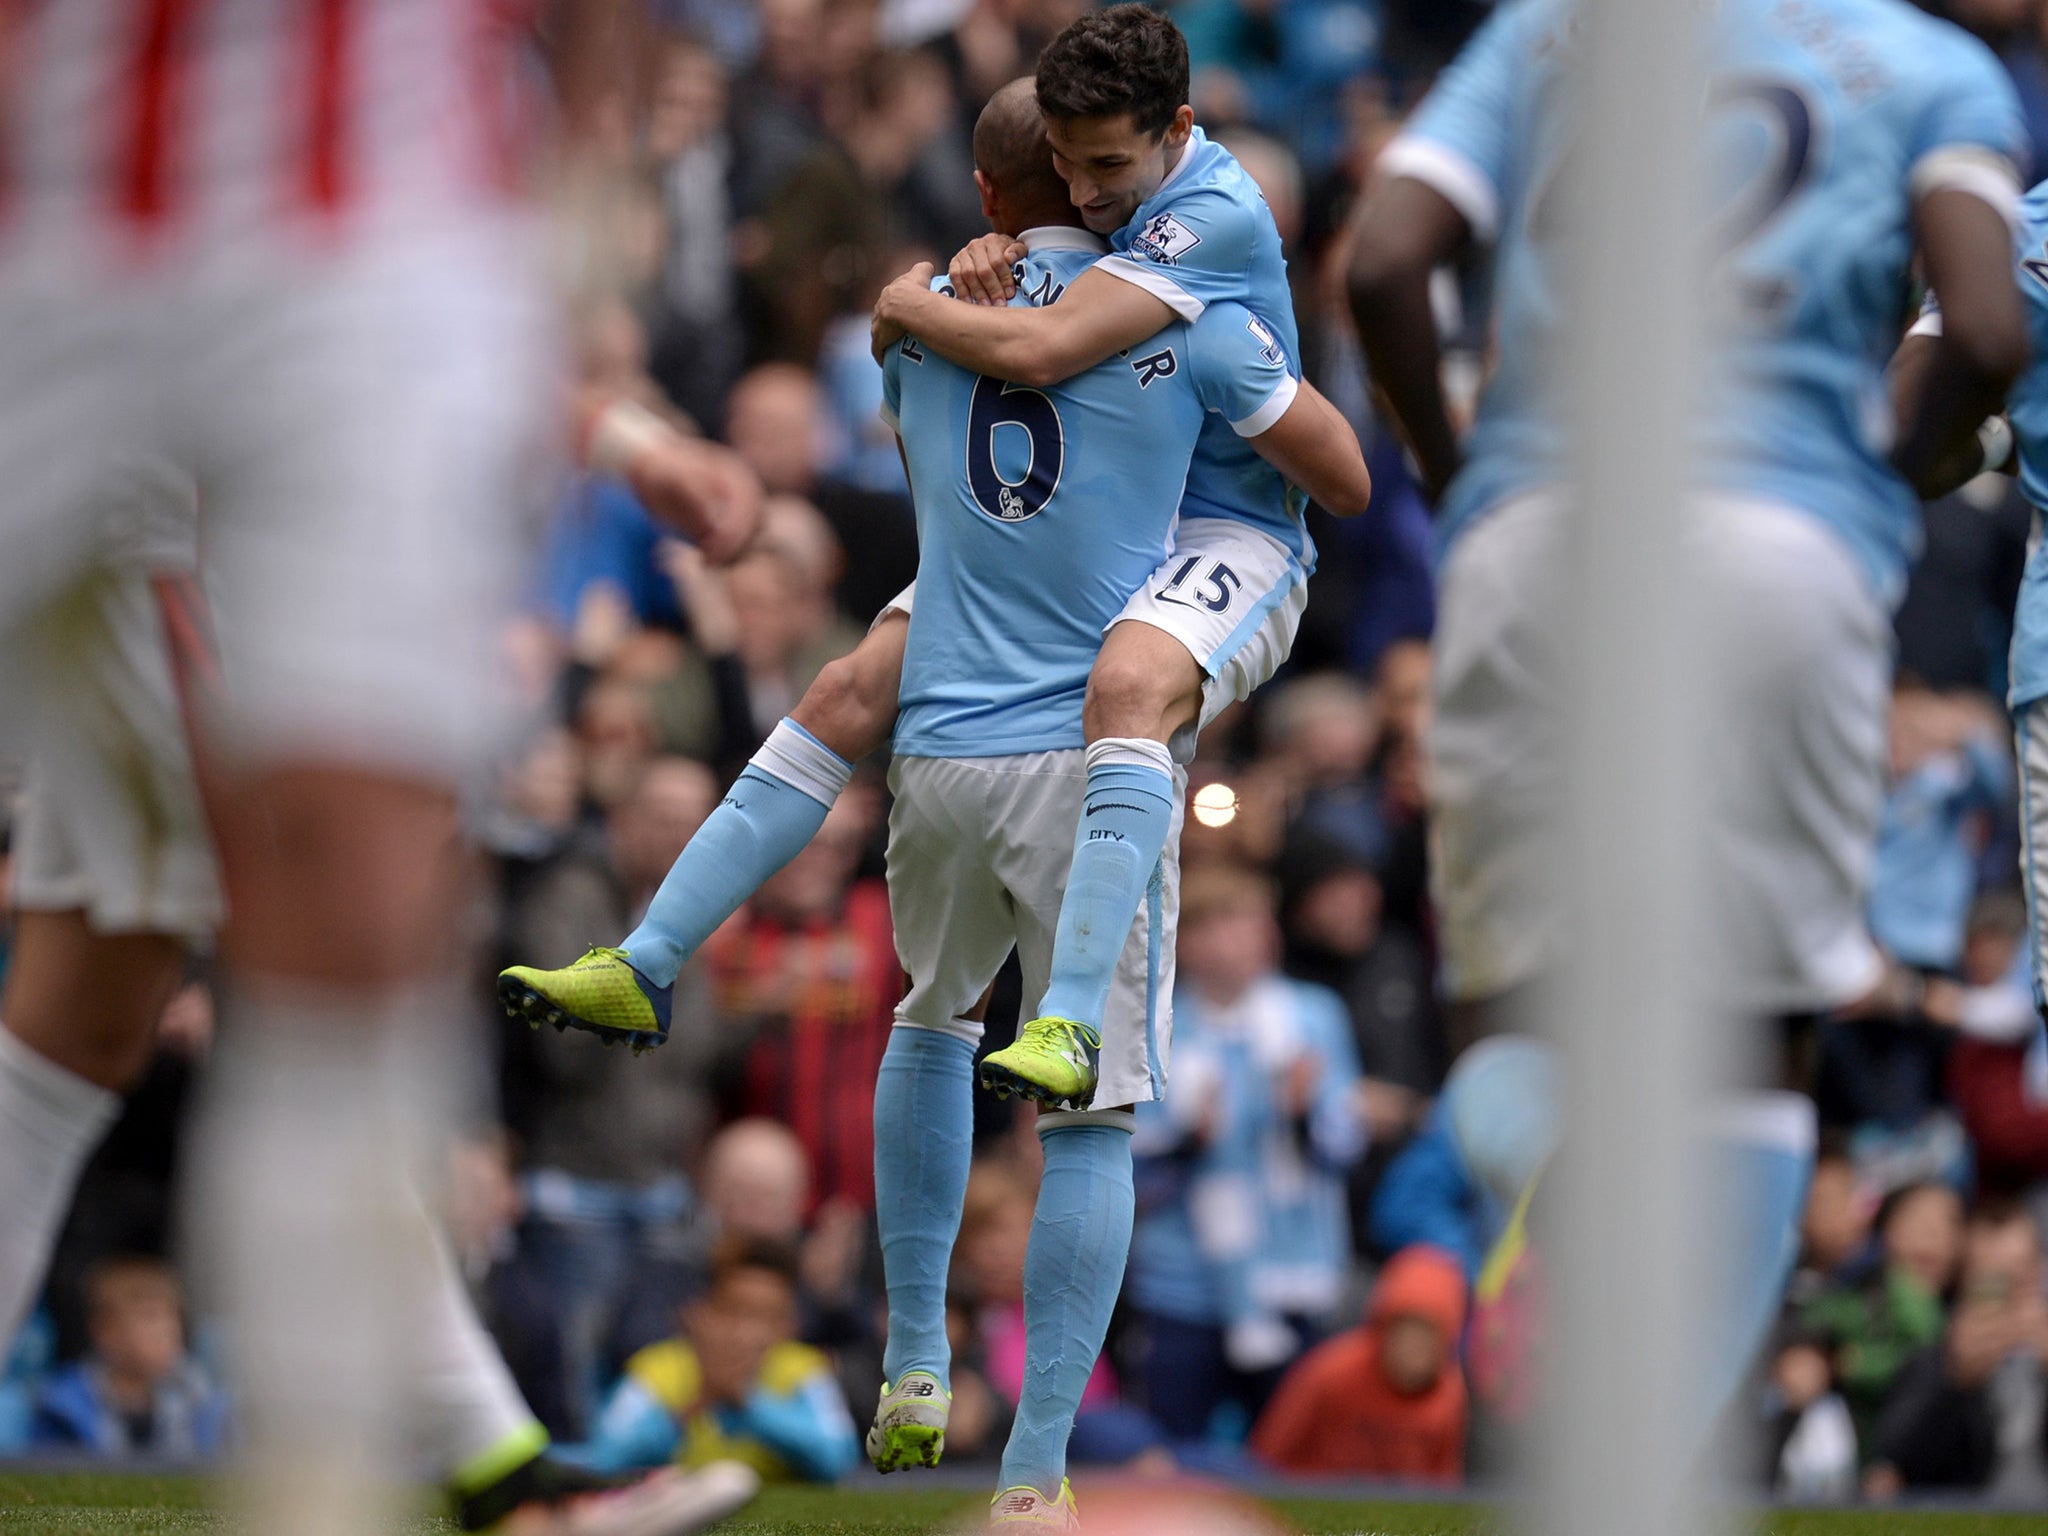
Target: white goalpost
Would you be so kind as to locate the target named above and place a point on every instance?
(1617, 1445)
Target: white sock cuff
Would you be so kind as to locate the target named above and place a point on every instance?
(1130, 752)
(1771, 1120)
(1080, 1119)
(796, 757)
(969, 1030)
(57, 1105)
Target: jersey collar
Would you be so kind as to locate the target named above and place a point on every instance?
(1196, 138)
(1061, 237)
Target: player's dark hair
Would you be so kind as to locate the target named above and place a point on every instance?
(1128, 58)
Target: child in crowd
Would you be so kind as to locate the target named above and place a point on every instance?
(1386, 1399)
(1875, 1323)
(1240, 1255)
(137, 1393)
(735, 1386)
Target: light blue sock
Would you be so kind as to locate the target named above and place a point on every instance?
(924, 1141)
(1125, 816)
(1073, 1268)
(773, 809)
(1761, 1163)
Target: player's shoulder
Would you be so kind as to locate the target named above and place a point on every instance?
(2031, 225)
(1880, 45)
(1526, 33)
(1212, 197)
(1044, 275)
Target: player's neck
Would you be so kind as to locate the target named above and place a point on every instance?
(1060, 236)
(1175, 153)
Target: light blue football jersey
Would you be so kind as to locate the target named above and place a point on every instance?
(2027, 405)
(1820, 114)
(1207, 237)
(1040, 511)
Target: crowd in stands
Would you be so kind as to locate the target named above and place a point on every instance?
(676, 1251)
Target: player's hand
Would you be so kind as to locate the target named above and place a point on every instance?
(981, 273)
(707, 606)
(891, 307)
(702, 489)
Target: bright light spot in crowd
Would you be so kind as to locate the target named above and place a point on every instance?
(1215, 805)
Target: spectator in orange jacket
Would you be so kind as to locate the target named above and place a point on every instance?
(1386, 1399)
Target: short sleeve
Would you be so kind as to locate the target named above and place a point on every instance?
(1970, 136)
(1461, 139)
(1241, 370)
(1196, 252)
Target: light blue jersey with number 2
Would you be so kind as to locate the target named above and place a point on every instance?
(1825, 119)
(1040, 511)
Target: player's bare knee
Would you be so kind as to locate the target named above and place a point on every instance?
(1129, 695)
(90, 1002)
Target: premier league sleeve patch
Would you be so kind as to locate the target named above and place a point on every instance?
(1165, 239)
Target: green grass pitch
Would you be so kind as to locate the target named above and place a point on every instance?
(89, 1504)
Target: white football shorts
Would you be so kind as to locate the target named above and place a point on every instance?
(1795, 763)
(1234, 597)
(110, 820)
(2031, 733)
(1229, 593)
(363, 428)
(978, 855)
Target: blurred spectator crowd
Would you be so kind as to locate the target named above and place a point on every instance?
(677, 1251)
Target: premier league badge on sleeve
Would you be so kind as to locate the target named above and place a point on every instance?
(1165, 239)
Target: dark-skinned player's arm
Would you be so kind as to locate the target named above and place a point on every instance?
(1313, 447)
(1097, 317)
(1404, 231)
(1945, 383)
(593, 46)
(1989, 449)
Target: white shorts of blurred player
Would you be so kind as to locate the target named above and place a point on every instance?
(2031, 742)
(110, 821)
(1795, 759)
(361, 426)
(979, 850)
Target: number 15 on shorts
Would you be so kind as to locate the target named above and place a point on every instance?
(1201, 582)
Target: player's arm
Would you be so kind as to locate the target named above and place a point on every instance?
(1990, 450)
(1241, 372)
(1949, 383)
(1097, 317)
(1405, 230)
(1437, 190)
(596, 45)
(1313, 447)
(704, 491)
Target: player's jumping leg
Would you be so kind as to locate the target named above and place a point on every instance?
(1073, 1269)
(924, 1143)
(79, 1017)
(1146, 687)
(774, 808)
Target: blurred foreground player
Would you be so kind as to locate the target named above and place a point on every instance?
(114, 880)
(1843, 138)
(2014, 442)
(280, 249)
